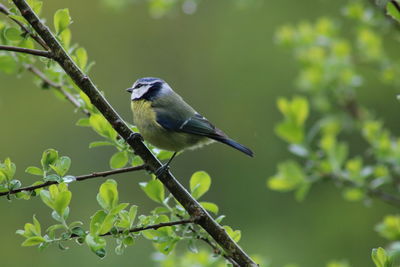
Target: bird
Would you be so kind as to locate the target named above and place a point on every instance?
(167, 122)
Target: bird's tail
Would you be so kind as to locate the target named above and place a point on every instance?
(236, 145)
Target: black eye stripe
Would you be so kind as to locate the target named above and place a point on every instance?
(138, 85)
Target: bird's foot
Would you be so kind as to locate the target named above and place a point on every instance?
(160, 171)
(134, 136)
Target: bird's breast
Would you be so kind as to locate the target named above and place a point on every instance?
(143, 113)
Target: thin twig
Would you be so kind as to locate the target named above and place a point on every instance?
(24, 50)
(385, 197)
(56, 86)
(78, 178)
(170, 182)
(35, 37)
(154, 226)
(377, 193)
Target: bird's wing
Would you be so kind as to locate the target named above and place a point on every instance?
(195, 124)
(199, 125)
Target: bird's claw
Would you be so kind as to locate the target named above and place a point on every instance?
(134, 136)
(160, 171)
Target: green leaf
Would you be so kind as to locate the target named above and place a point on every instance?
(53, 178)
(290, 132)
(57, 198)
(96, 221)
(118, 208)
(200, 183)
(100, 143)
(49, 157)
(164, 155)
(13, 34)
(101, 222)
(380, 257)
(61, 165)
(97, 244)
(36, 223)
(164, 238)
(132, 213)
(61, 20)
(392, 11)
(295, 113)
(18, 18)
(7, 170)
(128, 241)
(65, 38)
(81, 57)
(353, 194)
(34, 170)
(290, 176)
(102, 126)
(389, 228)
(62, 201)
(78, 231)
(210, 207)
(127, 218)
(235, 235)
(119, 160)
(154, 189)
(35, 5)
(33, 241)
(84, 122)
(108, 195)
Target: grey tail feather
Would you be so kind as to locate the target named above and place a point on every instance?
(236, 145)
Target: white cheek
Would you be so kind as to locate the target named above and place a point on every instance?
(138, 93)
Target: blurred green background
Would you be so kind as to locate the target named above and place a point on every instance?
(224, 62)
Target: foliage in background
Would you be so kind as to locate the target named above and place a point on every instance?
(321, 120)
(329, 79)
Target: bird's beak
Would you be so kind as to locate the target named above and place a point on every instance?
(129, 90)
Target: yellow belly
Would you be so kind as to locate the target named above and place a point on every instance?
(145, 120)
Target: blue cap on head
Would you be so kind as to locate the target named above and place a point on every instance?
(149, 80)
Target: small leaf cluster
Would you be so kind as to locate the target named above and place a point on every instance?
(120, 220)
(53, 167)
(164, 240)
(329, 77)
(381, 258)
(7, 172)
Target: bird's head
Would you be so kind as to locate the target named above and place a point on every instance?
(148, 88)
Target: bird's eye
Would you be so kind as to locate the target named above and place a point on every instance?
(138, 85)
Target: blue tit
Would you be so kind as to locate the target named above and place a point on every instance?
(166, 121)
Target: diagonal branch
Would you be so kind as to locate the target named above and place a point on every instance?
(77, 178)
(191, 205)
(56, 86)
(24, 50)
